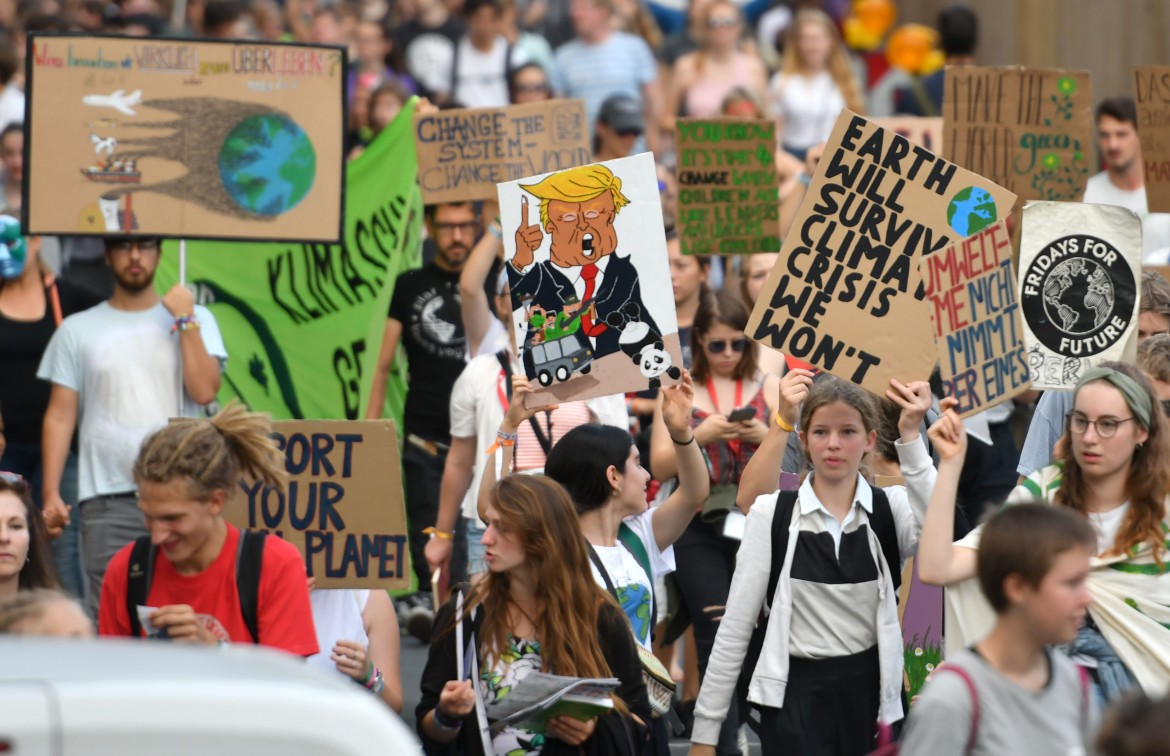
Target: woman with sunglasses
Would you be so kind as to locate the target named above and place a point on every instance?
(701, 80)
(1115, 470)
(529, 83)
(726, 379)
(25, 560)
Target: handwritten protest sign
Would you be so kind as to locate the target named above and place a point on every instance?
(463, 154)
(585, 254)
(343, 509)
(925, 132)
(971, 290)
(1079, 271)
(728, 187)
(184, 138)
(1153, 112)
(1028, 129)
(846, 293)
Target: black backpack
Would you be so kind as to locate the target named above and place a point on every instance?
(249, 555)
(881, 520)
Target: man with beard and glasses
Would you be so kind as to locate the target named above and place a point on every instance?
(117, 368)
(425, 317)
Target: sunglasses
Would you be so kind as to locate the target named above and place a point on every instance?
(630, 133)
(719, 346)
(531, 88)
(14, 479)
(722, 23)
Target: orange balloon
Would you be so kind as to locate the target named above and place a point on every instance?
(909, 47)
(876, 16)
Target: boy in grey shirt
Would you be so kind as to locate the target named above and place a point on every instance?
(1032, 566)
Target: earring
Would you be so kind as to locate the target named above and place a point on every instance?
(1140, 444)
(617, 491)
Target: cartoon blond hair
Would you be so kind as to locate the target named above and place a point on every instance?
(577, 185)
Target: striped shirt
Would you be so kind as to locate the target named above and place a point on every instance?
(622, 64)
(834, 579)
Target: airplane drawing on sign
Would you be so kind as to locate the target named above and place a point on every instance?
(118, 100)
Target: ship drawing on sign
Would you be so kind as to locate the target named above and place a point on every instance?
(114, 170)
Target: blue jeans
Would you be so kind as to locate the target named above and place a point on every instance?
(25, 460)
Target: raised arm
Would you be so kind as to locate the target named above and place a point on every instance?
(694, 484)
(473, 299)
(517, 413)
(940, 562)
(918, 471)
(762, 473)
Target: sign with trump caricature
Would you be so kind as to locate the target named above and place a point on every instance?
(592, 308)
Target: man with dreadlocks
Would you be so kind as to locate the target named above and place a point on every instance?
(197, 578)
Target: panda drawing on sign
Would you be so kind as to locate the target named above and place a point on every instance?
(642, 344)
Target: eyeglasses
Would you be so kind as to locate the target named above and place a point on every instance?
(629, 133)
(722, 23)
(468, 227)
(531, 88)
(1106, 427)
(719, 346)
(144, 246)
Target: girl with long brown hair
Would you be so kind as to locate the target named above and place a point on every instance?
(25, 560)
(192, 556)
(1113, 468)
(814, 83)
(538, 609)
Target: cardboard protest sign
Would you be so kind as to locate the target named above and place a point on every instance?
(846, 293)
(343, 509)
(971, 290)
(1027, 129)
(1080, 267)
(304, 322)
(925, 132)
(1152, 90)
(463, 154)
(184, 138)
(728, 187)
(585, 253)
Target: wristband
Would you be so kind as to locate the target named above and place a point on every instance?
(496, 231)
(503, 439)
(442, 535)
(444, 723)
(184, 323)
(783, 424)
(688, 442)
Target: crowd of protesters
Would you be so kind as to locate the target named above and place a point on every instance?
(639, 537)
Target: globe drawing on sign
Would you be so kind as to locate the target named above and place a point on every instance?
(267, 164)
(1078, 296)
(971, 211)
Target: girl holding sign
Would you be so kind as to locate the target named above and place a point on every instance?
(1114, 470)
(538, 609)
(824, 563)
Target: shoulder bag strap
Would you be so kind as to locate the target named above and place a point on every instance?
(249, 558)
(138, 580)
(974, 703)
(604, 572)
(637, 549)
(781, 522)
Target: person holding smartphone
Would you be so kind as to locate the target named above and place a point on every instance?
(728, 383)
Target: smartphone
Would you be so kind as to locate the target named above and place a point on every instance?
(741, 415)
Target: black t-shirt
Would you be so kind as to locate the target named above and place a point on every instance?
(23, 398)
(426, 302)
(429, 53)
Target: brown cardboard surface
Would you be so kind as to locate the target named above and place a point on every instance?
(1152, 90)
(175, 138)
(463, 154)
(728, 187)
(971, 289)
(344, 508)
(1027, 129)
(842, 295)
(926, 132)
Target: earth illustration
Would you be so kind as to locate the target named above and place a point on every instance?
(971, 211)
(267, 164)
(1078, 296)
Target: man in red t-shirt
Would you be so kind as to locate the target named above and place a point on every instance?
(193, 590)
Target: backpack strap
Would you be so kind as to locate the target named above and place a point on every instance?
(249, 557)
(138, 580)
(54, 299)
(637, 549)
(882, 522)
(974, 703)
(781, 521)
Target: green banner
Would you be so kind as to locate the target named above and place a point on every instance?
(303, 323)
